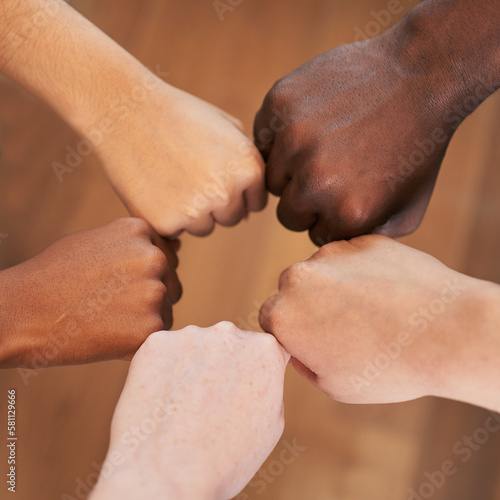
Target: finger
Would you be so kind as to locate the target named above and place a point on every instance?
(406, 221)
(166, 247)
(232, 214)
(294, 210)
(304, 371)
(326, 231)
(202, 225)
(235, 121)
(277, 176)
(255, 196)
(265, 313)
(175, 244)
(173, 285)
(166, 314)
(263, 135)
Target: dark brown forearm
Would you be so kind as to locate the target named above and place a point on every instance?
(455, 44)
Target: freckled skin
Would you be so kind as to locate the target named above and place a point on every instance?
(224, 427)
(354, 138)
(91, 296)
(373, 321)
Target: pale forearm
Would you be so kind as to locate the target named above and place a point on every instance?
(474, 362)
(58, 55)
(131, 486)
(147, 480)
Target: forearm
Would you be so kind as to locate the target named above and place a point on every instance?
(473, 373)
(12, 320)
(145, 481)
(58, 55)
(455, 46)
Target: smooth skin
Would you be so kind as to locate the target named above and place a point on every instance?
(201, 410)
(174, 160)
(91, 296)
(373, 321)
(354, 138)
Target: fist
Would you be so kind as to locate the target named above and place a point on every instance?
(373, 321)
(212, 399)
(183, 164)
(352, 144)
(94, 295)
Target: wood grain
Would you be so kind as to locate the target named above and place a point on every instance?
(351, 452)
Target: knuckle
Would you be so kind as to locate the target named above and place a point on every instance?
(226, 326)
(294, 275)
(156, 261)
(155, 324)
(156, 294)
(270, 344)
(279, 94)
(151, 342)
(271, 316)
(136, 225)
(356, 215)
(238, 123)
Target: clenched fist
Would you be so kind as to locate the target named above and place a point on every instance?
(354, 138)
(187, 166)
(175, 160)
(373, 321)
(201, 410)
(91, 296)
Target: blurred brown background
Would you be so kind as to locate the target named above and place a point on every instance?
(351, 452)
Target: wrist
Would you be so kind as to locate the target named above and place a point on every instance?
(12, 342)
(451, 49)
(473, 339)
(141, 483)
(70, 64)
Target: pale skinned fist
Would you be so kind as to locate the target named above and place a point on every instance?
(201, 410)
(373, 321)
(183, 164)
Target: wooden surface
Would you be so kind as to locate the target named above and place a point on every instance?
(350, 452)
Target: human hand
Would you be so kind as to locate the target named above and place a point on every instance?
(354, 138)
(373, 321)
(174, 160)
(91, 296)
(201, 410)
(183, 164)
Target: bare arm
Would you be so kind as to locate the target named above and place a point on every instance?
(175, 160)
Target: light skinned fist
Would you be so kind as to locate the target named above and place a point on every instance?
(91, 296)
(373, 321)
(201, 410)
(184, 164)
